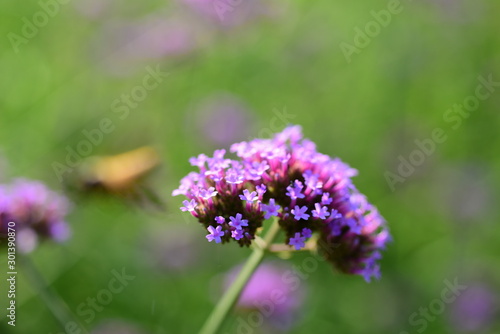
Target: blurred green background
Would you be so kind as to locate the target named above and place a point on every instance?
(232, 77)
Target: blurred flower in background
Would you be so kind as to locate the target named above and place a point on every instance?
(174, 33)
(123, 46)
(36, 211)
(222, 119)
(223, 13)
(476, 309)
(271, 293)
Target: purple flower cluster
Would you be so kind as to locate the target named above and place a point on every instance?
(285, 177)
(36, 211)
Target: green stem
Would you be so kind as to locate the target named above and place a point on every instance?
(57, 306)
(226, 303)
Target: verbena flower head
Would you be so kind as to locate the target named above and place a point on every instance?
(36, 211)
(285, 177)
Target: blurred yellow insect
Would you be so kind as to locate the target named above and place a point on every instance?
(120, 175)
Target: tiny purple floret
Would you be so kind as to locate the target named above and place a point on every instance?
(271, 209)
(300, 213)
(320, 212)
(298, 241)
(220, 220)
(306, 232)
(189, 205)
(215, 234)
(237, 222)
(237, 234)
(249, 196)
(295, 191)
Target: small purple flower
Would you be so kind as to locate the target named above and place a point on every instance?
(354, 226)
(271, 209)
(237, 234)
(189, 205)
(300, 213)
(187, 183)
(208, 193)
(233, 176)
(257, 169)
(298, 241)
(371, 270)
(261, 190)
(215, 234)
(249, 196)
(335, 214)
(312, 180)
(325, 199)
(237, 222)
(198, 161)
(220, 220)
(320, 212)
(295, 191)
(306, 232)
(219, 154)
